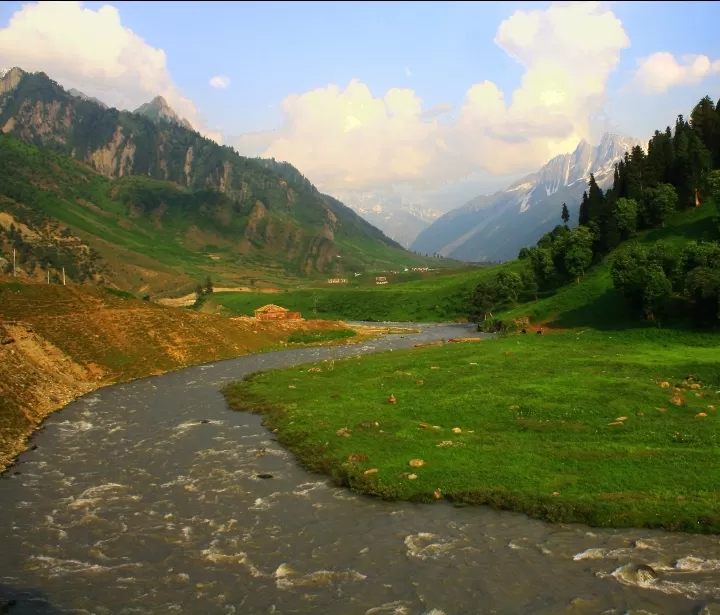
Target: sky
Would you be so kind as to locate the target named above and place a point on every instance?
(429, 102)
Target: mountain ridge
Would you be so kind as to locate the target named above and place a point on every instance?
(158, 110)
(278, 216)
(490, 227)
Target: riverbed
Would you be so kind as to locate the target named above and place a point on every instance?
(145, 498)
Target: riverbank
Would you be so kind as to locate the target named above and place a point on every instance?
(615, 429)
(57, 343)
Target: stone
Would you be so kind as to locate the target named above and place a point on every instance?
(700, 415)
(412, 476)
(616, 423)
(264, 476)
(711, 407)
(204, 421)
(392, 400)
(621, 418)
(369, 472)
(456, 430)
(514, 407)
(416, 463)
(677, 400)
(665, 385)
(434, 367)
(343, 431)
(420, 382)
(696, 385)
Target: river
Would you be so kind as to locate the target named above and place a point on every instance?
(144, 498)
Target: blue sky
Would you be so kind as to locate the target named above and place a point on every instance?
(270, 50)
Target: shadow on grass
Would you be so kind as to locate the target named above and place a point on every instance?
(607, 312)
(26, 601)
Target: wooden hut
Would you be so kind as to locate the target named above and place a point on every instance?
(276, 312)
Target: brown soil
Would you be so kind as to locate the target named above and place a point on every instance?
(57, 343)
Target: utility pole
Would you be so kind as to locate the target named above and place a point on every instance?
(63, 276)
(14, 270)
(48, 275)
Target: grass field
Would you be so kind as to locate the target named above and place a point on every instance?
(566, 427)
(436, 298)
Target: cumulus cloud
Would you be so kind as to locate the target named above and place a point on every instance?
(349, 139)
(220, 81)
(92, 51)
(661, 71)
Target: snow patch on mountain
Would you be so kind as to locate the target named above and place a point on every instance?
(488, 227)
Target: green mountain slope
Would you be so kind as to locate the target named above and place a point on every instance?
(163, 197)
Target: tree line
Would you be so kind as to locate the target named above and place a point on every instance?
(679, 170)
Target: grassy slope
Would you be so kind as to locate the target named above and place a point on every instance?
(59, 342)
(534, 413)
(442, 297)
(159, 235)
(594, 302)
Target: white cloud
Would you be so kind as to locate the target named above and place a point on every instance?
(661, 71)
(92, 51)
(349, 139)
(220, 81)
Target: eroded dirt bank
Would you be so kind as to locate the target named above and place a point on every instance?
(57, 343)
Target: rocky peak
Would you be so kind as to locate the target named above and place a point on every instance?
(158, 110)
(9, 79)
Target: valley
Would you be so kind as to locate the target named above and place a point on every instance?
(225, 390)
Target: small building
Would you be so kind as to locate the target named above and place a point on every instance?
(276, 312)
(380, 280)
(337, 281)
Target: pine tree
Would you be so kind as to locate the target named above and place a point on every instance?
(635, 168)
(565, 214)
(594, 199)
(705, 123)
(584, 217)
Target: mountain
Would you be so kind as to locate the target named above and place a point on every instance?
(158, 110)
(495, 227)
(79, 94)
(161, 204)
(403, 223)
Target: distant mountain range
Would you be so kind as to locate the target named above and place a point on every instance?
(495, 227)
(402, 223)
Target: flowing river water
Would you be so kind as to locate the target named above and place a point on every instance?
(144, 498)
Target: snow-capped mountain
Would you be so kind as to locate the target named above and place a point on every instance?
(3, 72)
(495, 227)
(401, 223)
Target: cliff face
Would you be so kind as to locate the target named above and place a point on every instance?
(299, 223)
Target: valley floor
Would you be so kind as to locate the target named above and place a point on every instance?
(613, 428)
